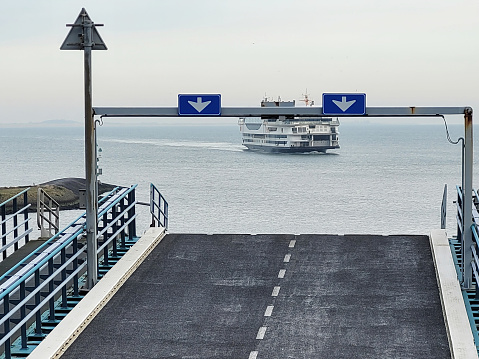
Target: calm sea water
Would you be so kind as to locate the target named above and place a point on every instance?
(385, 179)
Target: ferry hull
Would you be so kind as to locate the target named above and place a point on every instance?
(273, 149)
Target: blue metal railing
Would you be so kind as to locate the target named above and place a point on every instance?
(33, 290)
(471, 297)
(12, 230)
(158, 208)
(68, 230)
(459, 213)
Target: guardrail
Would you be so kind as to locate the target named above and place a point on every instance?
(158, 208)
(475, 233)
(14, 226)
(48, 214)
(35, 292)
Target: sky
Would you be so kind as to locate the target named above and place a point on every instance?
(400, 53)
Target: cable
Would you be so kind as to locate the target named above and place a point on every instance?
(99, 121)
(447, 134)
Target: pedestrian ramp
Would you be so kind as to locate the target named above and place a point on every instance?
(261, 296)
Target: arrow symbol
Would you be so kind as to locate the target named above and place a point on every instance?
(199, 105)
(343, 104)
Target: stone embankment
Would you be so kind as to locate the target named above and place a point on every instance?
(64, 190)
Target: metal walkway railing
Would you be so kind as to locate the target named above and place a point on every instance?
(14, 225)
(471, 296)
(158, 208)
(48, 214)
(37, 292)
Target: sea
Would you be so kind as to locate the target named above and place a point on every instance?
(385, 179)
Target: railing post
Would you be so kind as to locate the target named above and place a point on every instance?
(23, 313)
(152, 204)
(444, 208)
(131, 213)
(38, 315)
(74, 267)
(166, 215)
(25, 215)
(467, 202)
(4, 230)
(15, 223)
(6, 326)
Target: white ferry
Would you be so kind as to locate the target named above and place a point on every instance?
(289, 134)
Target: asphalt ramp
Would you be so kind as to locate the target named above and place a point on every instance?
(274, 296)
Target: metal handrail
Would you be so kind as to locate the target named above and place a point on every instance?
(51, 255)
(14, 299)
(52, 209)
(53, 239)
(158, 208)
(11, 236)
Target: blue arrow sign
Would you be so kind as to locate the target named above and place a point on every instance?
(199, 105)
(344, 104)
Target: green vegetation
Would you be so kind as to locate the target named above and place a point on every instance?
(65, 197)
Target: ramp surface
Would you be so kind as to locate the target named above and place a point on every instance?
(274, 296)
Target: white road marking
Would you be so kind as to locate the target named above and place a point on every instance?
(253, 355)
(281, 273)
(275, 291)
(269, 311)
(287, 257)
(292, 243)
(261, 332)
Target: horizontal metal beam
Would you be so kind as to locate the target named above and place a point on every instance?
(280, 111)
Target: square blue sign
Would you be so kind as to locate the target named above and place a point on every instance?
(199, 105)
(344, 104)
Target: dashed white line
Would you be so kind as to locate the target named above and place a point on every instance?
(275, 291)
(287, 257)
(269, 311)
(261, 332)
(292, 243)
(253, 355)
(281, 273)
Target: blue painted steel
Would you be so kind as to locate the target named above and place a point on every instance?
(199, 105)
(158, 208)
(11, 230)
(344, 103)
(470, 296)
(54, 267)
(49, 242)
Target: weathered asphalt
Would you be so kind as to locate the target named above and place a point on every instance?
(274, 296)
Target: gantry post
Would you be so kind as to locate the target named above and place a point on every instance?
(467, 240)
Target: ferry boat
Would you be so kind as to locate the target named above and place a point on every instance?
(289, 133)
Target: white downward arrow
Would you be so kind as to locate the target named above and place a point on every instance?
(343, 104)
(199, 105)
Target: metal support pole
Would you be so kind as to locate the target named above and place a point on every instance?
(90, 164)
(467, 201)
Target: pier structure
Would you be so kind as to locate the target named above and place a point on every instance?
(240, 295)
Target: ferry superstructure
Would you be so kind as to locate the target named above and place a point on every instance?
(289, 133)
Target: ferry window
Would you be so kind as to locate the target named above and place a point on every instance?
(272, 128)
(294, 130)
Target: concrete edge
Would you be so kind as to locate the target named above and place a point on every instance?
(459, 333)
(66, 332)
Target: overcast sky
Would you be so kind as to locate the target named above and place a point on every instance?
(400, 53)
